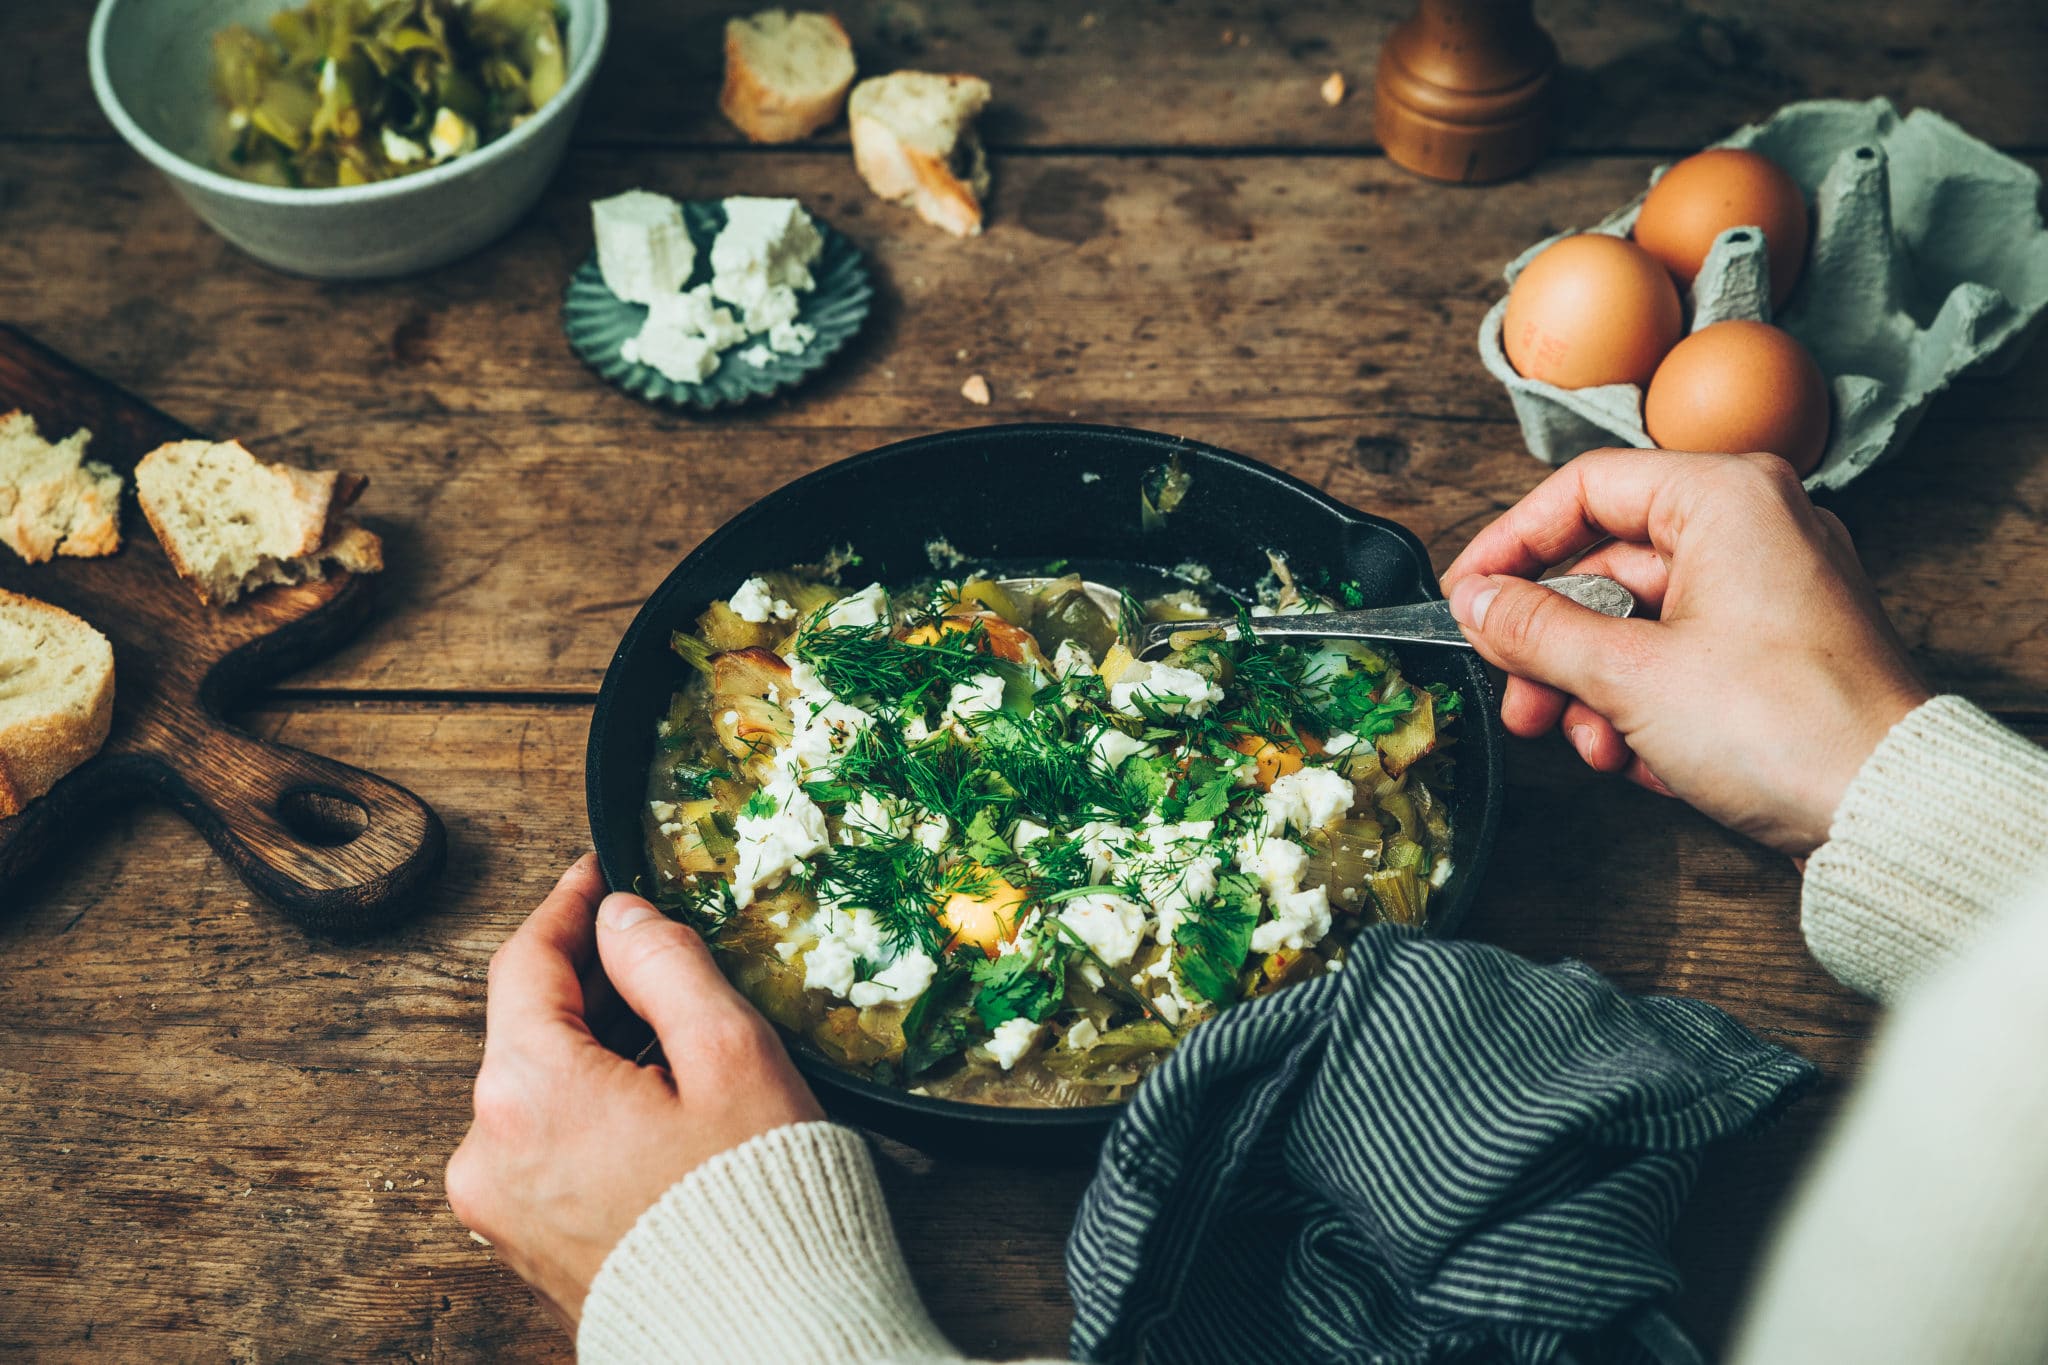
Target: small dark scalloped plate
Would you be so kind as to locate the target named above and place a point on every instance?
(599, 322)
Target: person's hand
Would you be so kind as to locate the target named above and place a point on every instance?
(1769, 673)
(572, 1142)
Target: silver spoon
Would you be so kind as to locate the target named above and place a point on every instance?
(1429, 623)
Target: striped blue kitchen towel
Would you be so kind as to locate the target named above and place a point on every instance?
(1441, 1153)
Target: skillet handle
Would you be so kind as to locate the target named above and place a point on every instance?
(338, 849)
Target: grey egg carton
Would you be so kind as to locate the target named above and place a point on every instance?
(1927, 260)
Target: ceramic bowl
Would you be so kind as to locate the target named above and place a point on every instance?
(151, 69)
(1023, 495)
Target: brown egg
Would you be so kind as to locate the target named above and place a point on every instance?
(1735, 387)
(1705, 195)
(1591, 309)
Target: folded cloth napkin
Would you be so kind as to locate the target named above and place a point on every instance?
(1440, 1153)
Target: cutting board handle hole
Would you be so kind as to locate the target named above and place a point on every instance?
(323, 817)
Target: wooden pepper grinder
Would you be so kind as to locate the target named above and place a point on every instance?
(1464, 90)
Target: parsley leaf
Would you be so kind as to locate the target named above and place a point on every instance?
(759, 806)
(1211, 943)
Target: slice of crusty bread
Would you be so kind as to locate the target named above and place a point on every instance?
(786, 75)
(232, 524)
(54, 501)
(56, 697)
(914, 141)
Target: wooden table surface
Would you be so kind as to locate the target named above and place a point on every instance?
(223, 1138)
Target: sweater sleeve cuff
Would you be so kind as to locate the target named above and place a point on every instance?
(778, 1250)
(1939, 829)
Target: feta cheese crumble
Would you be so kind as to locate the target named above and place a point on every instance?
(900, 982)
(1301, 919)
(1307, 799)
(760, 263)
(756, 602)
(773, 846)
(1013, 1038)
(1073, 658)
(1110, 925)
(643, 250)
(1111, 747)
(978, 696)
(765, 244)
(1162, 687)
(868, 607)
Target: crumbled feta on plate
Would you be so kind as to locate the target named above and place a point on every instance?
(643, 250)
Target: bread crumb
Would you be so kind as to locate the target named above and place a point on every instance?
(1333, 89)
(975, 390)
(479, 1239)
(1229, 36)
(960, 354)
(389, 1185)
(1089, 21)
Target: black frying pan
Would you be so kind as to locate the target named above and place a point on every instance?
(1021, 495)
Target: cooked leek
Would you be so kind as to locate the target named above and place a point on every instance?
(348, 92)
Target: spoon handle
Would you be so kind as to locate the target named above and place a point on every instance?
(1429, 623)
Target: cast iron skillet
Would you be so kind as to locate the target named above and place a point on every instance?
(1024, 494)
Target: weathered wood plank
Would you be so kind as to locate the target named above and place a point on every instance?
(1166, 288)
(1318, 317)
(1104, 72)
(203, 1105)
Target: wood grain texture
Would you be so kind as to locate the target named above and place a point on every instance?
(207, 1102)
(1316, 315)
(1110, 73)
(201, 1105)
(339, 849)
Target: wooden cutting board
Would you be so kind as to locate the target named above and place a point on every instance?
(339, 850)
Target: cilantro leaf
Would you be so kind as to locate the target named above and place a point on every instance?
(1022, 985)
(1209, 786)
(984, 843)
(1353, 707)
(759, 806)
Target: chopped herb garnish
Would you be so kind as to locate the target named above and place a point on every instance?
(983, 839)
(694, 783)
(1026, 984)
(896, 880)
(1211, 942)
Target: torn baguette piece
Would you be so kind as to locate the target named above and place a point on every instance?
(232, 524)
(786, 75)
(914, 143)
(56, 697)
(54, 501)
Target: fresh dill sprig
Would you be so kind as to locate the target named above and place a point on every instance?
(870, 662)
(896, 880)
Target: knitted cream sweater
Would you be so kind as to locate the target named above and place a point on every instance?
(1920, 1235)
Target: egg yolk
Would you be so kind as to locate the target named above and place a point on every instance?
(985, 917)
(1275, 758)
